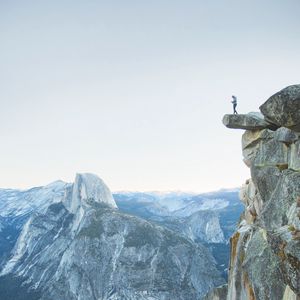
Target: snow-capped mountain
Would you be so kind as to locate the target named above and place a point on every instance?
(207, 218)
(21, 202)
(83, 247)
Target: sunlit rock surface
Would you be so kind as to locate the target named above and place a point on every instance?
(265, 250)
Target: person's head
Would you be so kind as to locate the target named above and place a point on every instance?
(233, 96)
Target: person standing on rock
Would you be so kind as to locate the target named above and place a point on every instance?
(234, 103)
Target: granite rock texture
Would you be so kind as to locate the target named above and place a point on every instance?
(265, 249)
(283, 108)
(250, 121)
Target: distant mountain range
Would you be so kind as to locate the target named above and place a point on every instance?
(125, 238)
(208, 218)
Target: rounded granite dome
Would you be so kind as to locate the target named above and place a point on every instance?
(88, 187)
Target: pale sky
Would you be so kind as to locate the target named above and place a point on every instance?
(135, 91)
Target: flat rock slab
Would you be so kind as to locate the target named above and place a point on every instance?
(283, 108)
(251, 121)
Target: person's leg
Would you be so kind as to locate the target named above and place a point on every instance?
(234, 109)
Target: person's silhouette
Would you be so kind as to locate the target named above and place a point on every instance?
(234, 103)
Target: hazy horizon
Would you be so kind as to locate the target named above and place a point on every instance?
(221, 189)
(135, 91)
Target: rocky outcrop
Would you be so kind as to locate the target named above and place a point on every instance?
(250, 121)
(83, 248)
(283, 108)
(265, 250)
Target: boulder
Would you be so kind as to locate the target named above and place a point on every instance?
(250, 121)
(283, 108)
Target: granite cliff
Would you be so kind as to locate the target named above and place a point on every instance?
(265, 249)
(82, 247)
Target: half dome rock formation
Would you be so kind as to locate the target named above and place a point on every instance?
(84, 248)
(86, 187)
(265, 250)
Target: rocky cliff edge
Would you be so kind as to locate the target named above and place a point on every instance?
(265, 249)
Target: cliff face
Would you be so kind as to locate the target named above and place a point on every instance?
(265, 250)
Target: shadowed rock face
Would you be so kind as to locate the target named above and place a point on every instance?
(265, 250)
(89, 250)
(283, 108)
